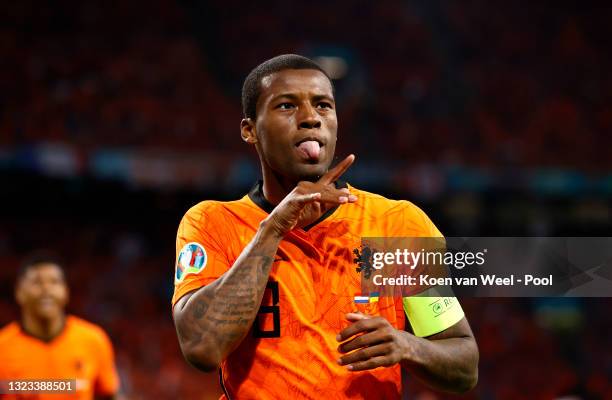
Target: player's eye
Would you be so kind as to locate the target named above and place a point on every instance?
(324, 104)
(285, 106)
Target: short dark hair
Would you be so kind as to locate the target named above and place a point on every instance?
(36, 259)
(251, 89)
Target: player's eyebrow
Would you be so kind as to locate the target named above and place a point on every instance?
(294, 97)
(289, 96)
(320, 97)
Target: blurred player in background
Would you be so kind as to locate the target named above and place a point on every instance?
(265, 286)
(48, 344)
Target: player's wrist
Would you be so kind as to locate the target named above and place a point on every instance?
(412, 349)
(270, 229)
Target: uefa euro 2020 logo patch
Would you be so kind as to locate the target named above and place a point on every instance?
(191, 260)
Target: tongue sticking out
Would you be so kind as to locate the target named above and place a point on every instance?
(310, 149)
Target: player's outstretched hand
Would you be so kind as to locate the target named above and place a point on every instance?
(306, 202)
(373, 343)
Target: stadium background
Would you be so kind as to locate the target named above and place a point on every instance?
(494, 117)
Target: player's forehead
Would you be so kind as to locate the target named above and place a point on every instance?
(44, 270)
(300, 82)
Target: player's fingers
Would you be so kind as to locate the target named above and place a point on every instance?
(356, 316)
(368, 339)
(333, 174)
(374, 362)
(332, 195)
(303, 199)
(337, 198)
(306, 187)
(364, 325)
(364, 354)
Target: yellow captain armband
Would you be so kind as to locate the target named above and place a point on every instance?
(429, 314)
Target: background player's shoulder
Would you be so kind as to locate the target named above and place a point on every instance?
(86, 329)
(9, 331)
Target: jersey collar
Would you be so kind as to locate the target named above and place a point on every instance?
(48, 340)
(256, 195)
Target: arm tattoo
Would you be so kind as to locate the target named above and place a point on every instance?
(218, 316)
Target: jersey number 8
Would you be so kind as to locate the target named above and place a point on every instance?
(274, 309)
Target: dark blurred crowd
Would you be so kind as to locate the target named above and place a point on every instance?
(105, 74)
(520, 83)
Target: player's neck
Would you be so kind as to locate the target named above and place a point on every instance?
(42, 328)
(276, 187)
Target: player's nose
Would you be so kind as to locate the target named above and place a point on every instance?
(45, 288)
(308, 118)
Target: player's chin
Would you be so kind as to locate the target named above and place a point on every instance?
(48, 312)
(310, 172)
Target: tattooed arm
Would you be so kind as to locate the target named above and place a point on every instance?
(213, 320)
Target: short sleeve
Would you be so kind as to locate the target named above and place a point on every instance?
(107, 381)
(414, 215)
(201, 256)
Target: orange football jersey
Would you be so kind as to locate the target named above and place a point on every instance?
(291, 351)
(82, 351)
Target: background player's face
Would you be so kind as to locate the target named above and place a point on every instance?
(296, 106)
(42, 291)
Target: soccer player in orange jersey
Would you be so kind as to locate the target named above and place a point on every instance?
(266, 287)
(48, 344)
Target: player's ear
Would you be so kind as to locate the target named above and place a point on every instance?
(247, 131)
